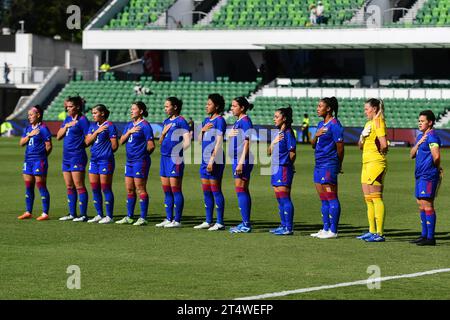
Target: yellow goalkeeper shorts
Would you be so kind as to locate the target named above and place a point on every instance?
(373, 172)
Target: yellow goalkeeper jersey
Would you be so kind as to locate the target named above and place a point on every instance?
(371, 149)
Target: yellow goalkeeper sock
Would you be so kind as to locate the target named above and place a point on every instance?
(370, 213)
(379, 211)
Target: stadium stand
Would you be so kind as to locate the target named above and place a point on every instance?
(434, 12)
(400, 113)
(118, 95)
(139, 14)
(316, 83)
(281, 13)
(414, 83)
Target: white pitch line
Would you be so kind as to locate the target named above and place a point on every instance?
(344, 284)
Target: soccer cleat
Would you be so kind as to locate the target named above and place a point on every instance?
(375, 238)
(217, 227)
(327, 235)
(125, 220)
(427, 242)
(43, 217)
(80, 219)
(24, 216)
(284, 232)
(317, 234)
(173, 224)
(240, 228)
(95, 219)
(365, 236)
(66, 218)
(140, 222)
(106, 220)
(280, 227)
(162, 224)
(204, 225)
(419, 239)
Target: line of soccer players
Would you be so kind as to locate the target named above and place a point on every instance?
(138, 137)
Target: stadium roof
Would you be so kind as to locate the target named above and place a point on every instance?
(358, 38)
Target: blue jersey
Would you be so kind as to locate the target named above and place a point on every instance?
(281, 150)
(219, 126)
(425, 167)
(74, 145)
(137, 142)
(244, 125)
(101, 149)
(178, 127)
(326, 150)
(36, 145)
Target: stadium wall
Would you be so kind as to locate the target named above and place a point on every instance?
(261, 39)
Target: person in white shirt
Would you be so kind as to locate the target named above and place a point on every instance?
(312, 14)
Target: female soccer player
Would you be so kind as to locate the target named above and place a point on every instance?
(102, 137)
(175, 138)
(38, 140)
(283, 152)
(242, 160)
(428, 175)
(138, 135)
(329, 154)
(373, 143)
(74, 130)
(213, 162)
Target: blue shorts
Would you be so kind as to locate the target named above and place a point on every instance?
(426, 188)
(216, 174)
(74, 164)
(282, 176)
(170, 169)
(138, 169)
(326, 176)
(35, 167)
(102, 166)
(246, 171)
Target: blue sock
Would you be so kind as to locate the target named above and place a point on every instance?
(83, 201)
(29, 196)
(325, 212)
(280, 209)
(97, 197)
(220, 203)
(131, 203)
(109, 199)
(209, 202)
(168, 202)
(335, 211)
(245, 205)
(178, 203)
(431, 223)
(423, 222)
(72, 197)
(45, 197)
(288, 210)
(143, 201)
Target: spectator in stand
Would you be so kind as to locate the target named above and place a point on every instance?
(319, 13)
(191, 127)
(312, 14)
(6, 71)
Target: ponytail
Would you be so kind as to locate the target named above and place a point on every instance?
(102, 108)
(142, 107)
(243, 102)
(378, 104)
(333, 104)
(287, 114)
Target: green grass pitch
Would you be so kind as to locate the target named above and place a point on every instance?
(128, 262)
